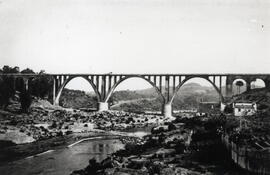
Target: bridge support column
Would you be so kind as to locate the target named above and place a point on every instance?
(54, 91)
(26, 85)
(248, 83)
(103, 106)
(56, 101)
(167, 111)
(267, 84)
(229, 88)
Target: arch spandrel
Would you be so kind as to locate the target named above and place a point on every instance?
(122, 79)
(191, 77)
(257, 83)
(67, 80)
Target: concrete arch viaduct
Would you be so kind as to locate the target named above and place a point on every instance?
(166, 85)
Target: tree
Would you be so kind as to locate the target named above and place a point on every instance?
(7, 85)
(27, 71)
(8, 69)
(239, 84)
(6, 92)
(41, 85)
(25, 98)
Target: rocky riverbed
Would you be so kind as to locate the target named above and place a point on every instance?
(183, 146)
(47, 126)
(186, 146)
(47, 121)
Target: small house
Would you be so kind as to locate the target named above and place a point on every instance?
(244, 108)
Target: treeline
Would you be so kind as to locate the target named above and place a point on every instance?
(12, 86)
(77, 99)
(129, 95)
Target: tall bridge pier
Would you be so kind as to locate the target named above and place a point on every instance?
(167, 110)
(166, 85)
(103, 106)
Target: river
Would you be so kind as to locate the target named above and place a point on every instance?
(68, 158)
(63, 161)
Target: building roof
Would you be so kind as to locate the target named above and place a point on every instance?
(243, 101)
(244, 105)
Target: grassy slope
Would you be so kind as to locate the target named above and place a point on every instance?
(260, 96)
(141, 100)
(77, 99)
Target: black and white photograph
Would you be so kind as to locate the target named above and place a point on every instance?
(134, 87)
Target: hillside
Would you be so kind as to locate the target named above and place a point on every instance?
(260, 96)
(127, 95)
(141, 100)
(139, 105)
(77, 99)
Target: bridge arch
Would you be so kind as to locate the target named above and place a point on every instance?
(178, 87)
(258, 83)
(64, 84)
(109, 94)
(235, 88)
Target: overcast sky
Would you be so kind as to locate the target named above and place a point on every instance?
(136, 36)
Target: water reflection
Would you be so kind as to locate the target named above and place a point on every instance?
(63, 161)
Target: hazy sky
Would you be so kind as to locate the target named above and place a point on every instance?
(136, 36)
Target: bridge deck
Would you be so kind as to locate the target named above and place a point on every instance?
(150, 74)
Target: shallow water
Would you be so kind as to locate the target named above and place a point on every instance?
(63, 161)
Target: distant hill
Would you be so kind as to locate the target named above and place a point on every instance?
(126, 95)
(77, 99)
(139, 105)
(141, 100)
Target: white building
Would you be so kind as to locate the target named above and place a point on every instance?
(244, 108)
